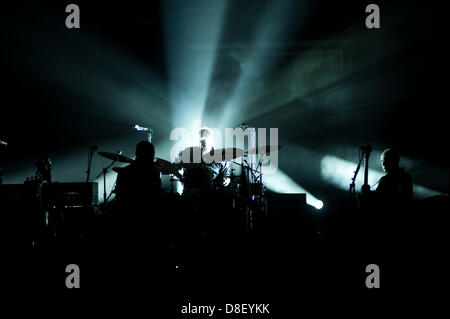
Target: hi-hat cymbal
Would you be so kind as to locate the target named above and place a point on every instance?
(116, 157)
(264, 149)
(165, 167)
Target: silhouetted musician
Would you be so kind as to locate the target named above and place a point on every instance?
(201, 169)
(396, 185)
(139, 184)
(385, 212)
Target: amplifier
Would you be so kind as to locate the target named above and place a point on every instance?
(20, 194)
(71, 194)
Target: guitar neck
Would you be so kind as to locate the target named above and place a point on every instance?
(366, 168)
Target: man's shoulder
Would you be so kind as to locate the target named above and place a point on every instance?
(383, 179)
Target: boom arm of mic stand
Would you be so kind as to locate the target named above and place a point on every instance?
(105, 169)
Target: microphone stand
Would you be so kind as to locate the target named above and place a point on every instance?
(150, 135)
(252, 171)
(104, 171)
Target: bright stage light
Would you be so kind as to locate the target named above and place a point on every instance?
(280, 182)
(319, 204)
(191, 55)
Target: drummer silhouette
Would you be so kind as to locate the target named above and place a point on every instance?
(205, 171)
(205, 174)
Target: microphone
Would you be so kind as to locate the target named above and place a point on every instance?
(140, 128)
(93, 148)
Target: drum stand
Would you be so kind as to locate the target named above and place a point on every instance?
(253, 199)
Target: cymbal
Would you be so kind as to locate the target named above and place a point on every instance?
(116, 157)
(264, 149)
(161, 165)
(167, 168)
(189, 155)
(230, 153)
(193, 154)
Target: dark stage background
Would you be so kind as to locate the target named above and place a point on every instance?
(307, 67)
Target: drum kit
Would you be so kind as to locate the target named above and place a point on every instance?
(246, 187)
(226, 154)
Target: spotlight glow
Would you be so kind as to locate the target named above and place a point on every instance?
(319, 204)
(190, 68)
(280, 182)
(339, 172)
